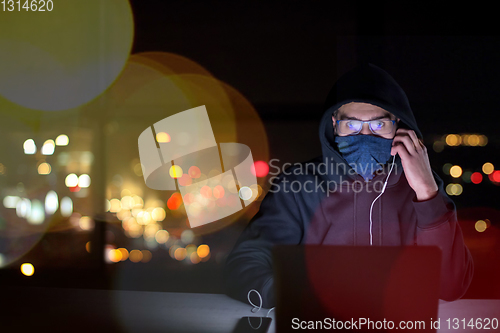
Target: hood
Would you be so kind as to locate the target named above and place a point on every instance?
(366, 83)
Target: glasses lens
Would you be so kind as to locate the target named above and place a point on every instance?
(381, 126)
(349, 126)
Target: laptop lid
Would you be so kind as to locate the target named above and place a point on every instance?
(364, 287)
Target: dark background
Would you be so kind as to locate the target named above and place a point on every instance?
(284, 57)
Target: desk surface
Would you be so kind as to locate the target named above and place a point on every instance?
(78, 310)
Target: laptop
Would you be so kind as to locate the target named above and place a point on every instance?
(356, 288)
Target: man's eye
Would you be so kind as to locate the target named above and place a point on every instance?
(377, 124)
(352, 124)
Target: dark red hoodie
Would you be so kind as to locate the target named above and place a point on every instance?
(324, 201)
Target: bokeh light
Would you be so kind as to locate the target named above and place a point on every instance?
(158, 214)
(150, 230)
(162, 137)
(203, 250)
(488, 168)
(206, 191)
(115, 205)
(146, 255)
(473, 140)
(476, 178)
(454, 189)
(194, 172)
(453, 140)
(71, 180)
(466, 176)
(44, 168)
(57, 61)
(245, 193)
(86, 223)
(127, 202)
(175, 201)
(194, 258)
(23, 207)
(10, 201)
(446, 168)
(51, 202)
(162, 236)
(218, 191)
(62, 140)
(124, 253)
(495, 176)
(29, 147)
(455, 171)
(84, 181)
(48, 147)
(180, 253)
(185, 180)
(481, 226)
(187, 236)
(27, 269)
(135, 256)
(438, 146)
(175, 171)
(163, 86)
(36, 215)
(260, 168)
(114, 255)
(483, 140)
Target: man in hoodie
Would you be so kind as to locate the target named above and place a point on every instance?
(371, 144)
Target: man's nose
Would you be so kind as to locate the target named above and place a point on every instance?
(365, 129)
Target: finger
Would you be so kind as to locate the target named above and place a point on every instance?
(416, 141)
(402, 130)
(400, 148)
(407, 141)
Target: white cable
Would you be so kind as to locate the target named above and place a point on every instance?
(255, 306)
(250, 323)
(260, 305)
(373, 202)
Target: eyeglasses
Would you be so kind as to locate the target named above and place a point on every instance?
(378, 127)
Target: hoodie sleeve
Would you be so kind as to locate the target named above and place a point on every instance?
(249, 265)
(437, 225)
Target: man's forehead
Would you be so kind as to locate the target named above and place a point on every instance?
(355, 109)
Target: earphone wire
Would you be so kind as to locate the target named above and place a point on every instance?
(260, 301)
(373, 202)
(255, 306)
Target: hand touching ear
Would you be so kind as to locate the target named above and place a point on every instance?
(415, 162)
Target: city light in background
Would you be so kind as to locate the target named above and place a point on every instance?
(454, 140)
(141, 221)
(146, 222)
(62, 140)
(27, 269)
(29, 147)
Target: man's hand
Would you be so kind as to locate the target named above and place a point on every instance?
(415, 162)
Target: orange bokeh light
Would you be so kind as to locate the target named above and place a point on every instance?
(194, 172)
(185, 180)
(218, 191)
(174, 201)
(206, 191)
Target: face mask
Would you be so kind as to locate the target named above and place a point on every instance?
(366, 154)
